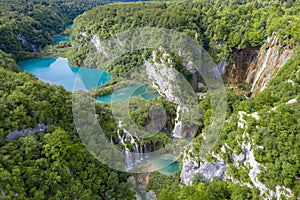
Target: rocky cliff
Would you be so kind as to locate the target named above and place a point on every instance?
(29, 45)
(256, 66)
(219, 169)
(271, 57)
(260, 66)
(170, 84)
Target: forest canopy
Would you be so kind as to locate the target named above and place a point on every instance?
(54, 164)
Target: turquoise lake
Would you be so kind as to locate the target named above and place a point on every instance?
(170, 169)
(124, 94)
(164, 164)
(61, 38)
(58, 71)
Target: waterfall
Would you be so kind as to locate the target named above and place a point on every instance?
(141, 148)
(128, 156)
(111, 140)
(136, 153)
(121, 139)
(177, 131)
(145, 150)
(119, 124)
(271, 58)
(132, 141)
(141, 152)
(134, 144)
(137, 156)
(128, 159)
(262, 68)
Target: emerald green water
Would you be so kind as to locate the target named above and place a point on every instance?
(125, 94)
(61, 38)
(58, 71)
(150, 96)
(166, 164)
(170, 169)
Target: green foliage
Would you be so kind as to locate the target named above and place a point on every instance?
(27, 26)
(51, 165)
(277, 130)
(245, 87)
(26, 102)
(164, 186)
(286, 24)
(59, 49)
(218, 26)
(56, 165)
(115, 18)
(169, 187)
(7, 62)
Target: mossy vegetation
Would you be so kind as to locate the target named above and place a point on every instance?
(55, 164)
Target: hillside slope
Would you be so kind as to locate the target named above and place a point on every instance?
(258, 142)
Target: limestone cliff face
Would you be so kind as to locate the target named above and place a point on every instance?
(209, 170)
(241, 70)
(271, 57)
(257, 66)
(31, 46)
(170, 84)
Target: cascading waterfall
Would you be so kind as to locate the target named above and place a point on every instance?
(262, 68)
(119, 124)
(132, 141)
(141, 152)
(145, 150)
(136, 153)
(134, 144)
(137, 150)
(128, 159)
(128, 156)
(177, 131)
(121, 139)
(141, 148)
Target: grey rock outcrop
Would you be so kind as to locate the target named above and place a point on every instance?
(25, 132)
(207, 171)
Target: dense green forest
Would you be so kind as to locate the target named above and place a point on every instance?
(54, 164)
(278, 133)
(219, 27)
(278, 129)
(168, 188)
(28, 26)
(7, 62)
